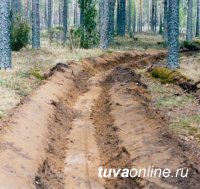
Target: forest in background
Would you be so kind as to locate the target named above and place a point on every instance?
(90, 23)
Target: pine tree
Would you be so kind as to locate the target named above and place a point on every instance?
(111, 20)
(16, 7)
(35, 24)
(134, 17)
(88, 26)
(82, 5)
(173, 34)
(5, 22)
(45, 14)
(198, 19)
(65, 26)
(189, 21)
(49, 14)
(154, 16)
(104, 21)
(165, 33)
(121, 17)
(129, 18)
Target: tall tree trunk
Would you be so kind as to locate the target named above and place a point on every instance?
(118, 16)
(189, 21)
(141, 16)
(45, 14)
(16, 7)
(121, 18)
(49, 14)
(111, 27)
(129, 18)
(173, 37)
(27, 9)
(104, 21)
(5, 22)
(60, 13)
(65, 18)
(134, 17)
(198, 19)
(165, 32)
(82, 12)
(35, 24)
(154, 16)
(75, 13)
(148, 16)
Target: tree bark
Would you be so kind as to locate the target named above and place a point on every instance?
(165, 32)
(111, 27)
(49, 14)
(134, 18)
(45, 14)
(60, 13)
(104, 21)
(154, 16)
(16, 7)
(65, 26)
(129, 18)
(5, 22)
(189, 21)
(173, 37)
(82, 12)
(121, 25)
(27, 9)
(141, 16)
(198, 19)
(35, 24)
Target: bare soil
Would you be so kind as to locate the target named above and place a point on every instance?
(88, 114)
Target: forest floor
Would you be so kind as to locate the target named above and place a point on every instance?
(101, 111)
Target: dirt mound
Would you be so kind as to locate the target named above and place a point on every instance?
(132, 134)
(123, 74)
(50, 174)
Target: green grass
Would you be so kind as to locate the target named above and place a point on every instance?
(174, 101)
(159, 88)
(189, 125)
(143, 42)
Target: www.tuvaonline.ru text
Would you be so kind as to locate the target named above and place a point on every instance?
(144, 172)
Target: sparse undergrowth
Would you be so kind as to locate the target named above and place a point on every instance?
(29, 67)
(180, 108)
(189, 126)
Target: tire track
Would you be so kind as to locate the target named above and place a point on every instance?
(82, 158)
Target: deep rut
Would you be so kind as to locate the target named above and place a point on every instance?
(131, 134)
(82, 158)
(111, 124)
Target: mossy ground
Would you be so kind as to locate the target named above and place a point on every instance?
(166, 75)
(180, 108)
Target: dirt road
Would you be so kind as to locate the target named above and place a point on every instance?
(91, 114)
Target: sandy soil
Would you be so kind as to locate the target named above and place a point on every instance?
(90, 114)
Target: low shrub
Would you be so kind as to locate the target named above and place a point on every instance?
(19, 34)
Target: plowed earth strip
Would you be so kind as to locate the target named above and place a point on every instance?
(89, 114)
